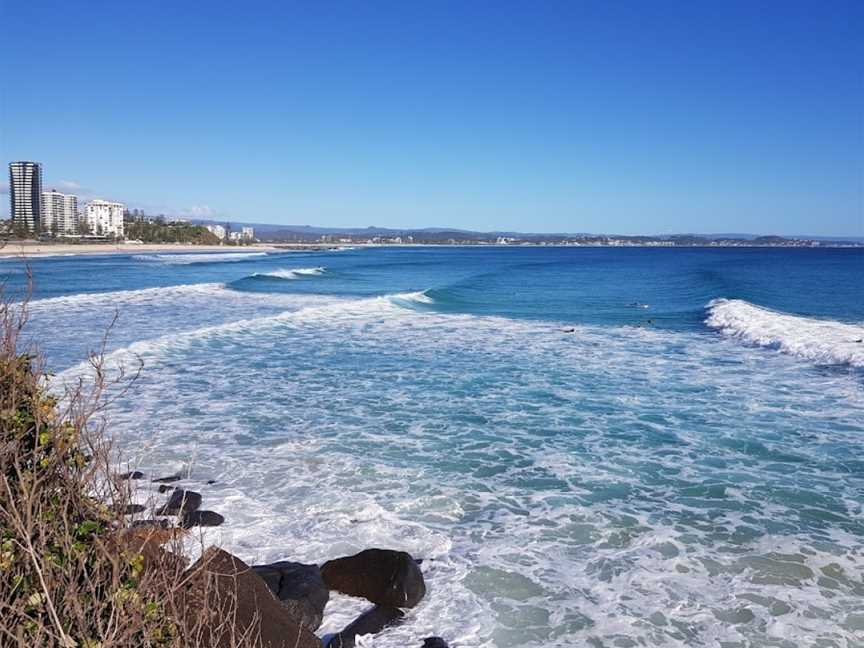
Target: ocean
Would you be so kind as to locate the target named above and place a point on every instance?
(586, 446)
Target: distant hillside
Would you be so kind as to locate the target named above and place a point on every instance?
(272, 232)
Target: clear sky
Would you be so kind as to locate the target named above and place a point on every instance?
(608, 116)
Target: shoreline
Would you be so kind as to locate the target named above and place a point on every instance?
(33, 249)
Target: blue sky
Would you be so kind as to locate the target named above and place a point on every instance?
(627, 117)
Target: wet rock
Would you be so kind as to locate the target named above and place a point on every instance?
(129, 509)
(210, 482)
(434, 642)
(370, 622)
(135, 474)
(168, 479)
(164, 489)
(382, 576)
(180, 502)
(300, 588)
(202, 519)
(231, 590)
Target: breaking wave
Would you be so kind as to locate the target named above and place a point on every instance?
(143, 295)
(290, 274)
(186, 259)
(820, 341)
(412, 299)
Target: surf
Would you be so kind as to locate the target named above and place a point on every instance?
(822, 341)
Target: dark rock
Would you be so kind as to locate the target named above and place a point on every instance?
(370, 622)
(382, 576)
(231, 590)
(164, 488)
(180, 502)
(300, 588)
(211, 482)
(201, 518)
(135, 474)
(130, 509)
(434, 642)
(168, 479)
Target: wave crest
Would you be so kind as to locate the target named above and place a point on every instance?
(820, 341)
(186, 259)
(293, 273)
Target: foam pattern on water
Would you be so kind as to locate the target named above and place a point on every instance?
(605, 487)
(69, 327)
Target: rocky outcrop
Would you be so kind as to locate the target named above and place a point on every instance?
(384, 577)
(370, 622)
(434, 642)
(134, 474)
(227, 601)
(180, 502)
(201, 519)
(299, 587)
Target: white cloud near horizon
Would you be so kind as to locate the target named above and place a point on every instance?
(69, 184)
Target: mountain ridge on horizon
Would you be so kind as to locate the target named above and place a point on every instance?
(272, 229)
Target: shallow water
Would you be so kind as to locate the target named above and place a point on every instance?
(595, 447)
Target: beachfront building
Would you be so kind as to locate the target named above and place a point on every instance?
(59, 213)
(248, 234)
(217, 230)
(105, 218)
(25, 195)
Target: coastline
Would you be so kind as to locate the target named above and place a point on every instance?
(36, 249)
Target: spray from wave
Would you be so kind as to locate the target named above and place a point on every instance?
(291, 274)
(820, 341)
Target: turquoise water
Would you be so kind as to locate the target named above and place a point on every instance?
(600, 447)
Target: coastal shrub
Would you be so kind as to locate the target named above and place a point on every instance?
(74, 570)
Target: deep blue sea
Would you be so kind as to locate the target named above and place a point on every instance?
(588, 446)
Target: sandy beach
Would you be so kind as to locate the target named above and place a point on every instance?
(38, 249)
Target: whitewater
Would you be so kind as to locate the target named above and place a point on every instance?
(572, 470)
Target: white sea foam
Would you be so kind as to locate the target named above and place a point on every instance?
(117, 297)
(817, 340)
(185, 259)
(292, 273)
(602, 487)
(598, 487)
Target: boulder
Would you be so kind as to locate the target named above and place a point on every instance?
(201, 518)
(165, 488)
(180, 502)
(135, 474)
(130, 509)
(222, 587)
(370, 622)
(300, 588)
(382, 576)
(434, 642)
(168, 479)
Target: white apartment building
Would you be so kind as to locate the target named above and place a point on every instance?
(216, 230)
(59, 213)
(248, 234)
(105, 218)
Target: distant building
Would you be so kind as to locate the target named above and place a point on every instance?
(25, 194)
(235, 237)
(105, 218)
(59, 213)
(217, 230)
(248, 234)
